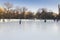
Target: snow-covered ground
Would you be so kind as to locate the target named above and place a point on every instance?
(29, 30)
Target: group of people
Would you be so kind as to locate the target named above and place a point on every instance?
(45, 20)
(54, 20)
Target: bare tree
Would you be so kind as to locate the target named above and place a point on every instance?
(22, 11)
(8, 6)
(39, 10)
(18, 9)
(44, 10)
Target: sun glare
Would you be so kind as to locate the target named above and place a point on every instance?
(1, 9)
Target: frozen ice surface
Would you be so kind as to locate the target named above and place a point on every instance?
(30, 30)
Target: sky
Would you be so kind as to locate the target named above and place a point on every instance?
(34, 5)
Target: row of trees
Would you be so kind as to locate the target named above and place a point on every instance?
(23, 13)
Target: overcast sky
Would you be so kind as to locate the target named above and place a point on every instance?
(33, 5)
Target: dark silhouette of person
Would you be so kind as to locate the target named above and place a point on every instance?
(45, 20)
(3, 20)
(20, 21)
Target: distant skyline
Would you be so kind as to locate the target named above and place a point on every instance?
(34, 5)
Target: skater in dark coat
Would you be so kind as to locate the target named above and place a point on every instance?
(45, 20)
(20, 21)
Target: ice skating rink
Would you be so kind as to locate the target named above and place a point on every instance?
(29, 30)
